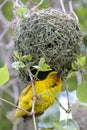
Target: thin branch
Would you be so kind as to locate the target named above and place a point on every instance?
(38, 4)
(12, 104)
(9, 83)
(5, 30)
(3, 3)
(34, 120)
(8, 46)
(72, 11)
(67, 111)
(67, 94)
(31, 77)
(62, 6)
(19, 1)
(33, 99)
(15, 126)
(15, 1)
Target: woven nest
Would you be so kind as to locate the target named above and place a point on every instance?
(51, 34)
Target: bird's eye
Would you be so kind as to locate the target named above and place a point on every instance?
(52, 86)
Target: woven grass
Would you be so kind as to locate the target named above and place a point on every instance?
(51, 34)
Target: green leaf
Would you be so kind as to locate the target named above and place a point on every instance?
(82, 15)
(4, 75)
(16, 55)
(7, 10)
(85, 39)
(82, 60)
(75, 65)
(72, 83)
(84, 77)
(58, 127)
(80, 63)
(42, 65)
(17, 65)
(21, 11)
(19, 57)
(26, 57)
(42, 61)
(70, 124)
(52, 114)
(82, 92)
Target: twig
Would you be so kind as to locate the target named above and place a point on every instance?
(62, 6)
(31, 78)
(67, 111)
(17, 3)
(12, 104)
(67, 94)
(38, 4)
(34, 120)
(3, 3)
(33, 99)
(9, 83)
(5, 30)
(16, 18)
(8, 46)
(72, 11)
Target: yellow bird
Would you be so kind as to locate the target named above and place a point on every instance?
(45, 92)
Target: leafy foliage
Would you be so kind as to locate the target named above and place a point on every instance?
(70, 124)
(21, 58)
(58, 127)
(4, 75)
(85, 40)
(42, 66)
(4, 123)
(21, 11)
(7, 10)
(82, 92)
(82, 13)
(80, 63)
(72, 83)
(51, 115)
(17, 65)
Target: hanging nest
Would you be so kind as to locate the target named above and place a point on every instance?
(51, 34)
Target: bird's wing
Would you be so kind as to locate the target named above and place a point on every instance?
(25, 91)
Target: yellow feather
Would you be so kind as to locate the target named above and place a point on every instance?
(45, 89)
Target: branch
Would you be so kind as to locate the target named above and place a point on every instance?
(17, 3)
(12, 104)
(72, 11)
(34, 120)
(38, 4)
(3, 3)
(67, 111)
(5, 30)
(31, 78)
(67, 94)
(62, 6)
(33, 99)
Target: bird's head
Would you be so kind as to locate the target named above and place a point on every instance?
(54, 76)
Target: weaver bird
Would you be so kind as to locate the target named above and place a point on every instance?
(45, 95)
